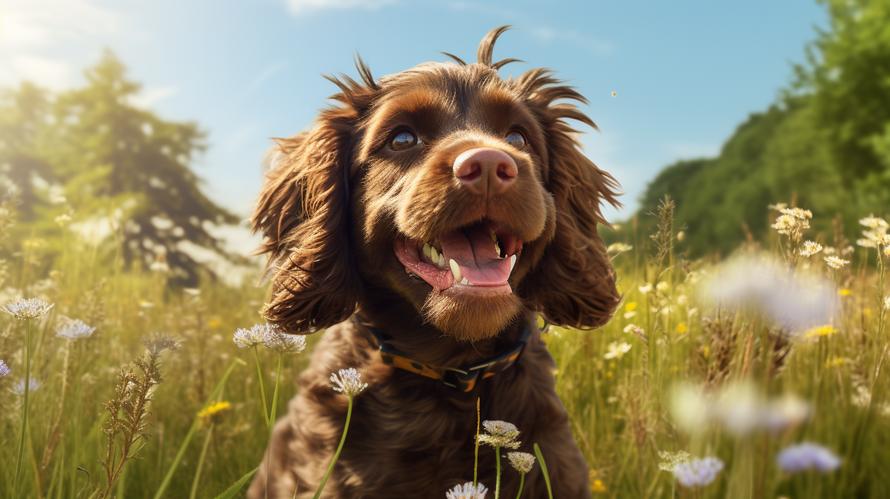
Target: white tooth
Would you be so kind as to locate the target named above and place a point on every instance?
(512, 263)
(465, 282)
(434, 255)
(455, 269)
(441, 261)
(497, 248)
(426, 251)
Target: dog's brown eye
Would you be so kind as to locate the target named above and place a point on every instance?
(516, 139)
(402, 140)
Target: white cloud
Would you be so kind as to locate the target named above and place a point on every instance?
(151, 96)
(300, 7)
(45, 71)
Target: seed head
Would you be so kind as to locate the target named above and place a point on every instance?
(521, 461)
(348, 381)
(74, 329)
(27, 308)
(500, 434)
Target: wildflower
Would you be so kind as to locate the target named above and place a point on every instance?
(807, 456)
(669, 460)
(19, 388)
(27, 308)
(793, 222)
(837, 362)
(662, 286)
(682, 328)
(212, 412)
(598, 487)
(256, 335)
(698, 472)
(282, 342)
(785, 412)
(874, 223)
(739, 408)
(348, 381)
(630, 310)
(778, 206)
(500, 434)
(836, 262)
(74, 329)
(618, 248)
(158, 343)
(521, 461)
(887, 302)
(467, 491)
(810, 248)
(681, 235)
(817, 332)
(617, 350)
(646, 288)
(4, 369)
(844, 292)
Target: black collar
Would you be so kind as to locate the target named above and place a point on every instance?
(463, 378)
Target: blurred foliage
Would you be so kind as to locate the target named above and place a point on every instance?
(89, 159)
(825, 144)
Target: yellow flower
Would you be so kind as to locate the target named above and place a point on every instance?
(837, 362)
(214, 323)
(598, 487)
(816, 332)
(682, 328)
(213, 411)
(705, 351)
(630, 306)
(844, 292)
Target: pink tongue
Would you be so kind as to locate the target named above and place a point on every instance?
(474, 252)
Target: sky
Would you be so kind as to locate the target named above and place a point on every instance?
(684, 73)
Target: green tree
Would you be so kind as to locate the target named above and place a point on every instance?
(126, 163)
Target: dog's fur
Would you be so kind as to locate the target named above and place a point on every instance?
(331, 211)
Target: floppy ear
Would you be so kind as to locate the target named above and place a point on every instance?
(574, 283)
(303, 212)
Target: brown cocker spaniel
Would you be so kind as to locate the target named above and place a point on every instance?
(424, 223)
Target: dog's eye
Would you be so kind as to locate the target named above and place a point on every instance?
(404, 139)
(516, 139)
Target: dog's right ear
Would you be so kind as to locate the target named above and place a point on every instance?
(302, 213)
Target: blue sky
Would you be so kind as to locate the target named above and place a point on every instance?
(686, 73)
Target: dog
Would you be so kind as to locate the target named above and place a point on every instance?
(426, 222)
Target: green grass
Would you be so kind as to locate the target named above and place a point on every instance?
(619, 406)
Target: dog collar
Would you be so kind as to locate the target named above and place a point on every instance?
(463, 378)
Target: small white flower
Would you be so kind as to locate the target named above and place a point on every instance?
(836, 262)
(874, 223)
(74, 329)
(810, 248)
(521, 461)
(33, 385)
(256, 335)
(348, 381)
(281, 342)
(646, 288)
(27, 308)
(616, 350)
(467, 491)
(887, 302)
(500, 434)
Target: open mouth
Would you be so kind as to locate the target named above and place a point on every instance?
(477, 259)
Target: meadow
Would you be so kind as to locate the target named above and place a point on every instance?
(150, 397)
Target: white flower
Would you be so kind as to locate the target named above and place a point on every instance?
(697, 472)
(617, 350)
(500, 434)
(646, 288)
(810, 248)
(27, 308)
(256, 335)
(887, 302)
(467, 491)
(348, 381)
(874, 223)
(521, 461)
(33, 385)
(836, 262)
(4, 369)
(281, 342)
(74, 329)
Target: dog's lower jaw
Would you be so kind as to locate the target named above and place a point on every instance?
(469, 318)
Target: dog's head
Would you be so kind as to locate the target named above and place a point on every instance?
(464, 193)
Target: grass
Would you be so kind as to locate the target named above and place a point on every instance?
(619, 399)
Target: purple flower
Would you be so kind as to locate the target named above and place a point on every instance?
(698, 472)
(4, 369)
(807, 456)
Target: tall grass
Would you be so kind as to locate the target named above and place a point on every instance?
(618, 383)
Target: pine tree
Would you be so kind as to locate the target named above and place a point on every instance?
(127, 163)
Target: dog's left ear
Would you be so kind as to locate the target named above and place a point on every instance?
(574, 283)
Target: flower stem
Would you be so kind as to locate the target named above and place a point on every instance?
(259, 375)
(497, 476)
(24, 423)
(327, 473)
(476, 447)
(273, 412)
(197, 479)
(521, 485)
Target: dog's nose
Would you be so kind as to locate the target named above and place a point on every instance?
(484, 170)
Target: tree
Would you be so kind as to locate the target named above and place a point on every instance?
(126, 162)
